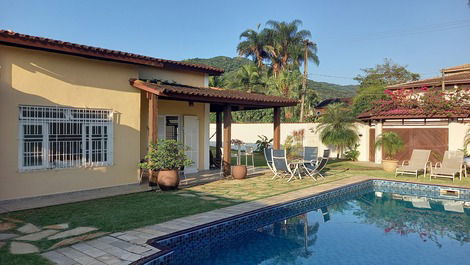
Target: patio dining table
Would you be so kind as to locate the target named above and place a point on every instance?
(297, 168)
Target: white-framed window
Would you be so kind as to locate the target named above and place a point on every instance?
(60, 137)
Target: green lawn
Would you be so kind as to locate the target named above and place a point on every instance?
(130, 211)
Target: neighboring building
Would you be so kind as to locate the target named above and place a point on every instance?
(420, 130)
(76, 117)
(320, 108)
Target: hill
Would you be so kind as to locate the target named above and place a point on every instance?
(231, 65)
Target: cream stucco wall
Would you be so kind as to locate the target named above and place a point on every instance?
(248, 133)
(29, 77)
(457, 131)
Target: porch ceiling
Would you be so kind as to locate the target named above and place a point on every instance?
(218, 97)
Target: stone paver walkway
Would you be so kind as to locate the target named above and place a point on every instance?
(126, 247)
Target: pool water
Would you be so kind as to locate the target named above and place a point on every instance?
(374, 228)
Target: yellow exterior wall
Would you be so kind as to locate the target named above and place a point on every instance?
(33, 77)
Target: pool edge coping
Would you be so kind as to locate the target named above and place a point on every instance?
(164, 250)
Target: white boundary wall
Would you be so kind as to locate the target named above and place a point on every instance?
(248, 133)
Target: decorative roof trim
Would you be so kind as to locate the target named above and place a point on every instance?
(32, 42)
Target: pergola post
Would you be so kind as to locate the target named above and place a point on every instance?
(378, 131)
(277, 128)
(227, 139)
(153, 118)
(218, 137)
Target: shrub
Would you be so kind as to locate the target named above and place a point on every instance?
(166, 155)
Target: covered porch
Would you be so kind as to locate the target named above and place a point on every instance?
(222, 102)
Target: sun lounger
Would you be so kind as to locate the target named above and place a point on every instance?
(451, 165)
(418, 162)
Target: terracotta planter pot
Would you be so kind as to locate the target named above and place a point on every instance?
(153, 178)
(239, 172)
(168, 179)
(390, 165)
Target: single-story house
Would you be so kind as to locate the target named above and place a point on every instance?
(420, 129)
(76, 117)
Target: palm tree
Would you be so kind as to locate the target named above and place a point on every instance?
(253, 45)
(248, 77)
(283, 37)
(390, 142)
(466, 142)
(336, 127)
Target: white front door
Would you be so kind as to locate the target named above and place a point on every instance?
(191, 140)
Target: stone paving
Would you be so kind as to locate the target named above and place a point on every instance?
(126, 247)
(23, 240)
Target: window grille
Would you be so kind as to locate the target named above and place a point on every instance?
(59, 137)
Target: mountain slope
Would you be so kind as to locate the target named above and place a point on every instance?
(231, 65)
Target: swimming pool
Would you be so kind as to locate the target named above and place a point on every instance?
(375, 222)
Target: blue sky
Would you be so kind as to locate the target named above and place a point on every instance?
(426, 35)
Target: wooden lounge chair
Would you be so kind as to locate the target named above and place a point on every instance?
(418, 162)
(451, 165)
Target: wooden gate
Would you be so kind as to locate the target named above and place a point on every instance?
(434, 139)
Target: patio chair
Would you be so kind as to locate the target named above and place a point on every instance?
(310, 155)
(418, 162)
(451, 165)
(280, 165)
(268, 156)
(249, 151)
(313, 170)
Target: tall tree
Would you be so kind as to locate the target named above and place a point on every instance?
(248, 78)
(253, 45)
(373, 82)
(388, 73)
(283, 38)
(336, 127)
(309, 53)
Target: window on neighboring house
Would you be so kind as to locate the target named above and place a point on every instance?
(58, 137)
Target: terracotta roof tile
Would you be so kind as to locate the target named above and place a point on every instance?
(410, 114)
(27, 41)
(213, 95)
(461, 67)
(451, 79)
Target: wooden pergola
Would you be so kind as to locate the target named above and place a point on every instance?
(222, 102)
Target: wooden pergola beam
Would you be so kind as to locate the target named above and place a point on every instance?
(277, 128)
(227, 156)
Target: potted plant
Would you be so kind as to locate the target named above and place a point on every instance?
(466, 143)
(165, 159)
(391, 143)
(238, 171)
(263, 143)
